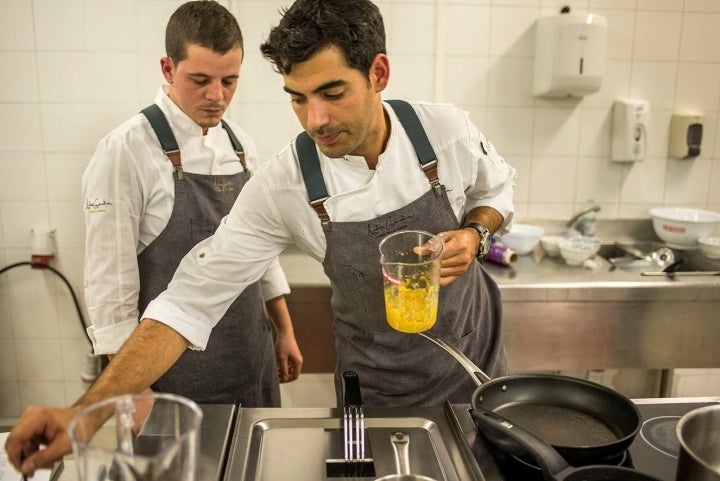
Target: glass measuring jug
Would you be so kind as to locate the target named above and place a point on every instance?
(148, 437)
(410, 261)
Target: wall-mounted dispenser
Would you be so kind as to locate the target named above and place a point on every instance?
(686, 129)
(569, 54)
(629, 130)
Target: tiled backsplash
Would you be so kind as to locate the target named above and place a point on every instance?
(475, 53)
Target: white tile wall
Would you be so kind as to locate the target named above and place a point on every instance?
(73, 69)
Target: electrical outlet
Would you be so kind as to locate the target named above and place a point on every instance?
(43, 244)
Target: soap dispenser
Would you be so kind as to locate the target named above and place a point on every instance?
(630, 121)
(686, 129)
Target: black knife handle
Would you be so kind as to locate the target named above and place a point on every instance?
(351, 389)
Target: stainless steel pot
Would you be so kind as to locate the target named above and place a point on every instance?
(699, 435)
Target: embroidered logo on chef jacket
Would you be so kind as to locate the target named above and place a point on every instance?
(96, 206)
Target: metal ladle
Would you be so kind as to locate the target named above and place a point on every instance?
(401, 449)
(661, 257)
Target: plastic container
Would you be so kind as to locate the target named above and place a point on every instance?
(501, 255)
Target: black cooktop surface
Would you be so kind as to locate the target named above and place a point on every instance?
(656, 448)
(654, 451)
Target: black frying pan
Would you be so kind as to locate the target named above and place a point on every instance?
(501, 431)
(584, 421)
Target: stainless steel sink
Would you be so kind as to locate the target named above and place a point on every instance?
(632, 256)
(281, 444)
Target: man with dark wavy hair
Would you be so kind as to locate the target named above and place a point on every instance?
(363, 168)
(369, 155)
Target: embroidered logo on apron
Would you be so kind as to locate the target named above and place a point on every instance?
(224, 185)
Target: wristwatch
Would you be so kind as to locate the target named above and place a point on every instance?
(484, 238)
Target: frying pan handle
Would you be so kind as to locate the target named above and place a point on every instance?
(498, 427)
(351, 389)
(477, 374)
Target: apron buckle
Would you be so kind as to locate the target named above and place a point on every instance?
(437, 188)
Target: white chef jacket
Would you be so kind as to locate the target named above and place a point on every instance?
(129, 194)
(275, 213)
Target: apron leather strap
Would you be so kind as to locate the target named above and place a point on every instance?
(237, 146)
(428, 160)
(162, 129)
(312, 175)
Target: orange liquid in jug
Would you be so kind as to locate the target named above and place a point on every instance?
(409, 308)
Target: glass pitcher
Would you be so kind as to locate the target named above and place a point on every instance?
(142, 437)
(410, 261)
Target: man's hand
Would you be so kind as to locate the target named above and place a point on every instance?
(147, 354)
(39, 425)
(459, 249)
(289, 358)
(461, 246)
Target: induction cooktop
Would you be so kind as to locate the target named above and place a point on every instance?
(654, 451)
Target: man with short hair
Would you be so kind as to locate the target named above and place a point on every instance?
(160, 183)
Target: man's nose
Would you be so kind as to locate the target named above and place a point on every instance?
(214, 91)
(317, 115)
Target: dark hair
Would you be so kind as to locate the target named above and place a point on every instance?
(205, 23)
(308, 26)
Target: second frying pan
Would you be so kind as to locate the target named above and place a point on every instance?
(552, 465)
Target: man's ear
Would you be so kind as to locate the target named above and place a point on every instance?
(380, 72)
(168, 69)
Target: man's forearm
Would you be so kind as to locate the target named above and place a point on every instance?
(488, 217)
(280, 315)
(147, 354)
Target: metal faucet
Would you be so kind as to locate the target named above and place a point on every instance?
(577, 218)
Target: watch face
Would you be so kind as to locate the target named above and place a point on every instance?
(485, 243)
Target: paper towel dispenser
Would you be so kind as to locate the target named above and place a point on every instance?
(569, 55)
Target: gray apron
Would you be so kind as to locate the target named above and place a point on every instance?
(397, 369)
(238, 365)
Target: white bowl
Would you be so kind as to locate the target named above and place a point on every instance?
(550, 243)
(578, 249)
(680, 227)
(710, 246)
(522, 238)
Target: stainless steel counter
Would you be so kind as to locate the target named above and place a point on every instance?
(536, 276)
(560, 317)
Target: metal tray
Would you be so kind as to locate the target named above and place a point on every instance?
(281, 444)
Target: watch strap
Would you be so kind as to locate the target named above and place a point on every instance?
(485, 235)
